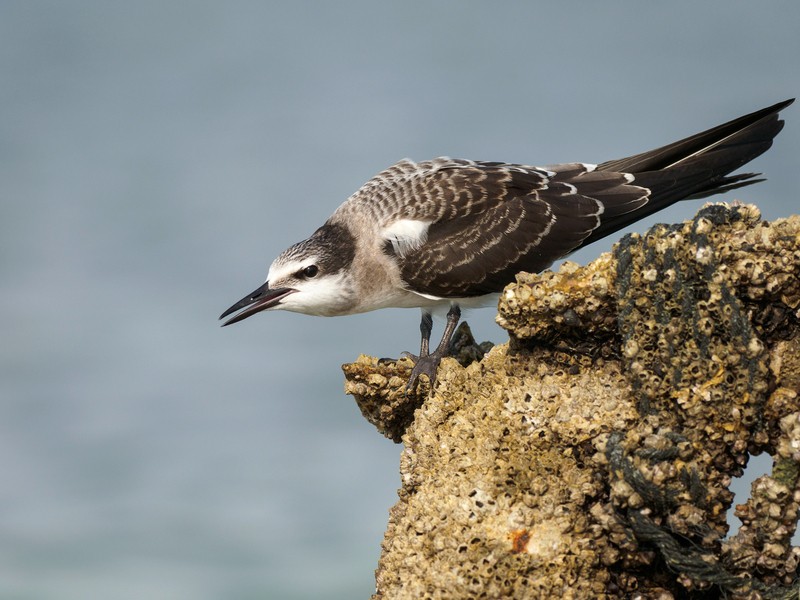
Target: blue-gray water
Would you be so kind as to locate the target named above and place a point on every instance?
(155, 156)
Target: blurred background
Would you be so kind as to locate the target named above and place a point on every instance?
(156, 156)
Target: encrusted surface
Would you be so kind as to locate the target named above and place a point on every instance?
(379, 389)
(567, 304)
(495, 486)
(592, 456)
(759, 260)
(378, 386)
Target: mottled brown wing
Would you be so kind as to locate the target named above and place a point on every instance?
(526, 218)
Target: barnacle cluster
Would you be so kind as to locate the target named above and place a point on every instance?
(555, 307)
(497, 480)
(379, 389)
(592, 455)
(378, 385)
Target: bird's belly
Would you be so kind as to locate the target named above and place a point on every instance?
(407, 299)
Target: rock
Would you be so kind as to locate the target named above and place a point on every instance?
(591, 456)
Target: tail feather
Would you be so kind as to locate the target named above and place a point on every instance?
(695, 167)
(762, 122)
(727, 184)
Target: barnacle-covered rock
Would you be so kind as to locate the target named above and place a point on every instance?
(496, 481)
(592, 455)
(759, 260)
(378, 385)
(379, 389)
(559, 307)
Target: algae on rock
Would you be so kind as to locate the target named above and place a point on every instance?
(591, 456)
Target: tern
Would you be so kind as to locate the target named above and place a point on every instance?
(449, 233)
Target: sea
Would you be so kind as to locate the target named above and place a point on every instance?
(156, 156)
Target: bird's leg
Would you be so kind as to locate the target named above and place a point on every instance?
(425, 328)
(427, 362)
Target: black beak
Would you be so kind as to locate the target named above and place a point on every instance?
(256, 301)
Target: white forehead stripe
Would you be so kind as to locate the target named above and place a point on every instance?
(406, 235)
(280, 270)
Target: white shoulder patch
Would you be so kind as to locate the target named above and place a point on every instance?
(406, 235)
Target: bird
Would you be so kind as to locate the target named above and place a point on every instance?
(446, 233)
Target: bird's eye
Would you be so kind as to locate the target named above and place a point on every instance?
(310, 271)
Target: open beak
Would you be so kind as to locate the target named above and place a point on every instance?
(256, 301)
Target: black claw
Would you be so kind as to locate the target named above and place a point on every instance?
(424, 365)
(428, 363)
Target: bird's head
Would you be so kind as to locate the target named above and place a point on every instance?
(310, 277)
